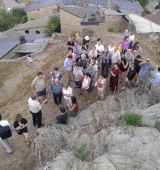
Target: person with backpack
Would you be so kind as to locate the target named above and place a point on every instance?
(20, 126)
(73, 107)
(5, 134)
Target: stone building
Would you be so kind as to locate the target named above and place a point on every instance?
(33, 27)
(42, 9)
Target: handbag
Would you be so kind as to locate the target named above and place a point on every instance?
(5, 132)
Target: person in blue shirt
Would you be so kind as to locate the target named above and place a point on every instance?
(68, 67)
(56, 74)
(77, 50)
(105, 61)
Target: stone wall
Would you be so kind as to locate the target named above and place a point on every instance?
(42, 12)
(71, 23)
(32, 31)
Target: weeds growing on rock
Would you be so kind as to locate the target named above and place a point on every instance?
(157, 125)
(63, 142)
(81, 152)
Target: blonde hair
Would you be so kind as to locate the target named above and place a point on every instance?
(66, 86)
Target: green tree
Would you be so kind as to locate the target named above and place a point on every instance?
(53, 25)
(143, 2)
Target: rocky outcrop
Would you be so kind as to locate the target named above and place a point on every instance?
(112, 145)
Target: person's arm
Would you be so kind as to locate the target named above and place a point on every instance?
(119, 57)
(33, 87)
(105, 85)
(43, 104)
(125, 66)
(45, 80)
(152, 66)
(140, 64)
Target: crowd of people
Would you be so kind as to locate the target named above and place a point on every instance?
(88, 66)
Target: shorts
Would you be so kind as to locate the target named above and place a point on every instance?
(41, 93)
(129, 82)
(87, 90)
(79, 84)
(151, 82)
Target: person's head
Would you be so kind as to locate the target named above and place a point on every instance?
(77, 66)
(90, 66)
(124, 59)
(138, 57)
(98, 39)
(126, 38)
(62, 109)
(69, 57)
(76, 43)
(83, 56)
(111, 44)
(76, 35)
(0, 117)
(132, 68)
(116, 65)
(55, 69)
(73, 99)
(18, 34)
(99, 42)
(56, 81)
(40, 75)
(86, 38)
(159, 69)
(66, 86)
(102, 75)
(33, 96)
(148, 60)
(105, 50)
(18, 117)
(120, 44)
(129, 51)
(115, 48)
(93, 48)
(136, 43)
(70, 39)
(86, 75)
(70, 52)
(83, 48)
(29, 55)
(126, 31)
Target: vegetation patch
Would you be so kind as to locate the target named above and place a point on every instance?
(132, 119)
(158, 5)
(157, 125)
(73, 33)
(81, 152)
(114, 29)
(5, 69)
(53, 25)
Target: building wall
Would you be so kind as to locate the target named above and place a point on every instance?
(32, 31)
(71, 23)
(42, 12)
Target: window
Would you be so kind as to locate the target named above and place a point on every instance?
(27, 31)
(37, 32)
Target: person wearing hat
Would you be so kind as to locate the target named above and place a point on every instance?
(86, 42)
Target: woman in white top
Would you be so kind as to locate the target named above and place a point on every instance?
(92, 54)
(131, 40)
(101, 86)
(67, 93)
(111, 47)
(86, 87)
(29, 59)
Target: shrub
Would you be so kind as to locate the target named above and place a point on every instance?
(157, 125)
(63, 142)
(73, 33)
(114, 29)
(81, 152)
(53, 25)
(132, 119)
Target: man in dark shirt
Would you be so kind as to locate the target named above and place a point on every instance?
(62, 118)
(70, 44)
(86, 42)
(21, 38)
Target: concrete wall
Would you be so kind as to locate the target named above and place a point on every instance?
(71, 23)
(32, 31)
(42, 12)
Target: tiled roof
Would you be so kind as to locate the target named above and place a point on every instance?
(126, 13)
(75, 10)
(33, 24)
(138, 7)
(112, 12)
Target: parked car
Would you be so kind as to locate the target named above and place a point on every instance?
(18, 1)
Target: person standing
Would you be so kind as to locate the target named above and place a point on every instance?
(62, 118)
(29, 59)
(126, 34)
(115, 56)
(78, 77)
(56, 74)
(56, 88)
(77, 49)
(5, 142)
(125, 44)
(105, 61)
(68, 67)
(86, 42)
(70, 44)
(92, 54)
(67, 93)
(78, 39)
(39, 85)
(114, 78)
(144, 74)
(20, 126)
(35, 109)
(93, 73)
(100, 49)
(129, 56)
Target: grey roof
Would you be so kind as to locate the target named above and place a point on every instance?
(91, 9)
(75, 10)
(7, 44)
(33, 24)
(41, 4)
(111, 12)
(126, 13)
(80, 4)
(138, 7)
(98, 2)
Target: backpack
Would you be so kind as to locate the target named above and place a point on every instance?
(5, 132)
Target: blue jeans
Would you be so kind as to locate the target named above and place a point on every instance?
(105, 66)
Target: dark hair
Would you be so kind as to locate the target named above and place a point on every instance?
(136, 43)
(158, 68)
(69, 56)
(117, 64)
(74, 99)
(18, 117)
(138, 56)
(124, 60)
(55, 69)
(87, 74)
(29, 55)
(83, 48)
(76, 41)
(0, 117)
(98, 39)
(103, 75)
(125, 37)
(77, 64)
(40, 73)
(62, 109)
